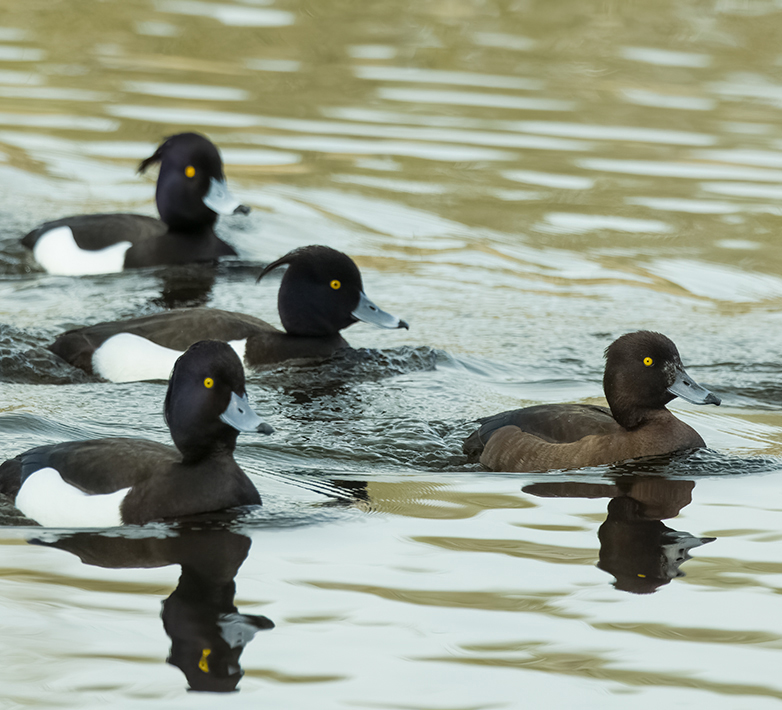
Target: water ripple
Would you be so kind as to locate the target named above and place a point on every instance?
(464, 98)
(666, 57)
(232, 15)
(439, 76)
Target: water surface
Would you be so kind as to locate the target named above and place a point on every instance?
(522, 182)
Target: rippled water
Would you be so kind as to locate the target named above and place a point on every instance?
(521, 181)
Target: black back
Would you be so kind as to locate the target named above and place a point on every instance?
(97, 231)
(177, 329)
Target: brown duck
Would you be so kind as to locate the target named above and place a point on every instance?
(643, 373)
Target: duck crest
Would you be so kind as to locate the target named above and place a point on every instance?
(188, 163)
(319, 291)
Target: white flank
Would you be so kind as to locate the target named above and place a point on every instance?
(129, 358)
(52, 502)
(239, 347)
(58, 253)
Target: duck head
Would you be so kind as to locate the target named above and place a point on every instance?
(321, 293)
(191, 188)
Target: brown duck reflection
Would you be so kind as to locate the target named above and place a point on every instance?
(208, 634)
(636, 547)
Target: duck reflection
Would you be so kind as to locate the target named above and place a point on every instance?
(636, 547)
(207, 632)
(190, 285)
(186, 286)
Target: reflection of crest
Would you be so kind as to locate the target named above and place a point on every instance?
(635, 546)
(208, 634)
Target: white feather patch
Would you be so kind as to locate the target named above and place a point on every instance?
(128, 358)
(57, 252)
(239, 347)
(52, 502)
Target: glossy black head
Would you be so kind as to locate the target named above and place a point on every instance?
(188, 163)
(644, 372)
(319, 291)
(199, 392)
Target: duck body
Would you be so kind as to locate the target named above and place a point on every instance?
(146, 348)
(643, 373)
(191, 192)
(555, 423)
(512, 448)
(114, 481)
(107, 243)
(151, 484)
(321, 294)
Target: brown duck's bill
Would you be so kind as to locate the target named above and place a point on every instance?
(685, 387)
(368, 312)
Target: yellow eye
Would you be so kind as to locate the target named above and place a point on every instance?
(335, 284)
(648, 361)
(190, 171)
(209, 383)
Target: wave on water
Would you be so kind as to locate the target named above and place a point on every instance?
(681, 465)
(765, 394)
(350, 365)
(24, 360)
(15, 260)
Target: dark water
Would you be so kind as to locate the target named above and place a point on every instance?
(522, 182)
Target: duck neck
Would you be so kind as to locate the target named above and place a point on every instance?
(628, 408)
(193, 455)
(192, 230)
(203, 590)
(633, 417)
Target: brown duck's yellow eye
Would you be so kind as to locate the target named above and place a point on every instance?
(335, 284)
(209, 383)
(648, 361)
(203, 664)
(190, 171)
